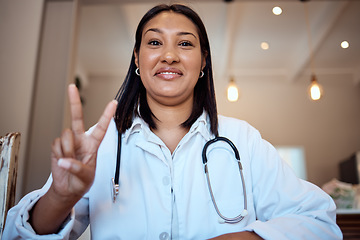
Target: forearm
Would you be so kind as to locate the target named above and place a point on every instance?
(50, 212)
(246, 235)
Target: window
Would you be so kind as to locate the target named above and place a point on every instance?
(295, 157)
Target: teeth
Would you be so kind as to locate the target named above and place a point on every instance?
(168, 73)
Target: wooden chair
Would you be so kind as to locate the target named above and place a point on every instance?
(9, 148)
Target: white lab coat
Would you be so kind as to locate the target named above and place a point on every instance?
(163, 194)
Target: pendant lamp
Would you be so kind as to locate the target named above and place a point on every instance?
(315, 90)
(232, 91)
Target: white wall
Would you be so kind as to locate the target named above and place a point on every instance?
(52, 78)
(98, 92)
(329, 130)
(36, 62)
(20, 23)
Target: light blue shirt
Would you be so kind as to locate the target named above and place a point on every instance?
(164, 194)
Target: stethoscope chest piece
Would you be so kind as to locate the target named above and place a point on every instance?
(115, 189)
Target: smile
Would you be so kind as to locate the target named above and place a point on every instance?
(169, 73)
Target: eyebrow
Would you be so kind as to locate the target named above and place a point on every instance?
(157, 30)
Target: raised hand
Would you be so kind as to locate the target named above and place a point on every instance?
(74, 153)
(73, 163)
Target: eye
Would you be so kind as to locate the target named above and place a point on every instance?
(186, 44)
(154, 42)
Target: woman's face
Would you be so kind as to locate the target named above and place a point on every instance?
(170, 59)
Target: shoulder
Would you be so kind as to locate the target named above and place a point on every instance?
(234, 125)
(239, 131)
(231, 120)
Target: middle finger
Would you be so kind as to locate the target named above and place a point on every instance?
(67, 144)
(56, 148)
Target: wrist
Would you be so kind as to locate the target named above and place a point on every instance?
(60, 201)
(50, 212)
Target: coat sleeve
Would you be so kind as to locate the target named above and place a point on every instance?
(286, 206)
(17, 224)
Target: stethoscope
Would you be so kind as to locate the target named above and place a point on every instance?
(222, 219)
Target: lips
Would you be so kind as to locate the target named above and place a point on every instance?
(168, 73)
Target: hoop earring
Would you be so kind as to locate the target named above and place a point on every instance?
(137, 71)
(201, 74)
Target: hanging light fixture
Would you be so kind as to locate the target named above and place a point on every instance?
(315, 89)
(232, 91)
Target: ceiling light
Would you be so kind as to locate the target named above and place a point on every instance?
(277, 10)
(232, 91)
(264, 45)
(315, 90)
(345, 44)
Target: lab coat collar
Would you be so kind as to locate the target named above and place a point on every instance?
(201, 125)
(136, 126)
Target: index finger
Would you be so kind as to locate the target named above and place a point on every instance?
(101, 127)
(77, 122)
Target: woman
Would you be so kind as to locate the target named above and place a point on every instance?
(166, 114)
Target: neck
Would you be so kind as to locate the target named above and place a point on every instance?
(169, 121)
(169, 117)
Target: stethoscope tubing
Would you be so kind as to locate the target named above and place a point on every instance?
(211, 141)
(116, 186)
(115, 179)
(237, 156)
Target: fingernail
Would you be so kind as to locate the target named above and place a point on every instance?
(63, 163)
(115, 101)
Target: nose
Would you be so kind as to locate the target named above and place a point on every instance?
(170, 56)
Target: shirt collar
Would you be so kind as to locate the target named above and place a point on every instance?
(137, 124)
(201, 125)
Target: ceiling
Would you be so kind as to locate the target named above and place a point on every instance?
(236, 30)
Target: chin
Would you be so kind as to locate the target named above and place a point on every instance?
(173, 100)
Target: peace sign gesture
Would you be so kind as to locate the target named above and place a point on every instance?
(74, 153)
(73, 164)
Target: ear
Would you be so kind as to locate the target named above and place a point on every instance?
(203, 61)
(203, 64)
(136, 58)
